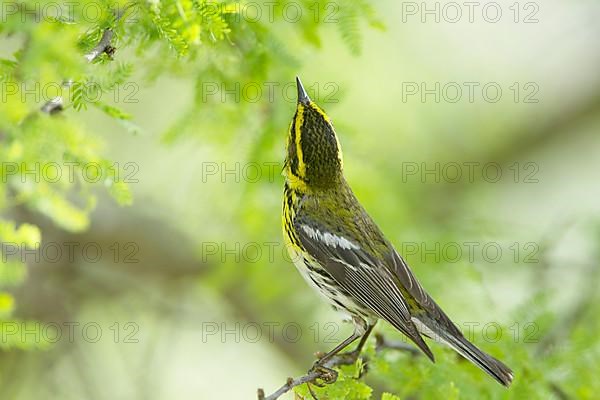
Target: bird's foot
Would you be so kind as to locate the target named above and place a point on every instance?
(324, 375)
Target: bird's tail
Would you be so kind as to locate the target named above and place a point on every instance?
(455, 339)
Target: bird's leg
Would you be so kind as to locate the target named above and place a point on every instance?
(356, 352)
(329, 375)
(350, 357)
(323, 359)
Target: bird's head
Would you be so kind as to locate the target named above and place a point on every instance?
(314, 155)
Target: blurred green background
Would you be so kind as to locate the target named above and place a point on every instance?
(208, 305)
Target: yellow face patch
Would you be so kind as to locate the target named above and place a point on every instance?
(299, 122)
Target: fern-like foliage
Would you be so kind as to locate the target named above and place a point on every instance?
(55, 75)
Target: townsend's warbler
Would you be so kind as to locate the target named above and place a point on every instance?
(342, 253)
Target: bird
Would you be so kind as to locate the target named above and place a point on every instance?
(342, 253)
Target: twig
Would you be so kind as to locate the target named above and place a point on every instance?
(55, 105)
(104, 45)
(325, 373)
(558, 391)
(289, 385)
(383, 343)
(310, 377)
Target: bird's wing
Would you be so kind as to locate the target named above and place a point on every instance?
(365, 278)
(424, 302)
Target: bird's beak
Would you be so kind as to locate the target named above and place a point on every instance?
(302, 96)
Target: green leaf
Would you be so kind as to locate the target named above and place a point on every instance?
(62, 212)
(7, 305)
(27, 234)
(119, 190)
(113, 111)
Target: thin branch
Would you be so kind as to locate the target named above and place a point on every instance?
(558, 391)
(384, 343)
(327, 374)
(103, 46)
(55, 105)
(312, 376)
